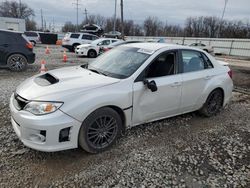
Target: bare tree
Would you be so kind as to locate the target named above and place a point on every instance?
(68, 27)
(15, 10)
(30, 25)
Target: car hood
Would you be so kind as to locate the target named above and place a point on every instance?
(84, 46)
(57, 84)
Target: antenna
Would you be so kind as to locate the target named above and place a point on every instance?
(77, 15)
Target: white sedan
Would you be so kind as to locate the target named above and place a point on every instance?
(91, 105)
(92, 50)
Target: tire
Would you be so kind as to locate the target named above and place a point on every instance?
(17, 62)
(92, 54)
(213, 104)
(100, 130)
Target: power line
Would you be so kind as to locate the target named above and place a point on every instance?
(223, 14)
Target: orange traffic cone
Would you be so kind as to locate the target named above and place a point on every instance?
(47, 51)
(65, 58)
(43, 69)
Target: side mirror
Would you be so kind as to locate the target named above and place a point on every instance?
(151, 85)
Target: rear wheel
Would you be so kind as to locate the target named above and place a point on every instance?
(100, 130)
(17, 62)
(213, 103)
(92, 54)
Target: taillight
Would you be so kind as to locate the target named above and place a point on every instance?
(230, 73)
(106, 49)
(29, 45)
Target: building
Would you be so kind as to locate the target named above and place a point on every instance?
(14, 24)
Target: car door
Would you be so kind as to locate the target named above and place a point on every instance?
(3, 47)
(196, 74)
(164, 102)
(86, 39)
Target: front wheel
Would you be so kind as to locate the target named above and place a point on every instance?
(213, 103)
(17, 62)
(92, 54)
(100, 130)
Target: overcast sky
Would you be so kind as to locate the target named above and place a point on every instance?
(175, 11)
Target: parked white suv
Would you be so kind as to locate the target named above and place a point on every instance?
(92, 50)
(72, 40)
(33, 37)
(91, 105)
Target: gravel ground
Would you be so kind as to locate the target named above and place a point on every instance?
(184, 151)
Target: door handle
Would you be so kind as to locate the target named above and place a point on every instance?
(176, 84)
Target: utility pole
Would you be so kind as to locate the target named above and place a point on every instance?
(115, 17)
(122, 19)
(77, 15)
(222, 17)
(20, 7)
(86, 15)
(42, 19)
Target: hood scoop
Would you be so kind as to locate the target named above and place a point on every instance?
(46, 80)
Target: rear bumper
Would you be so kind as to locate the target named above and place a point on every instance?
(31, 58)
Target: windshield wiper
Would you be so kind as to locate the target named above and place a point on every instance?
(98, 72)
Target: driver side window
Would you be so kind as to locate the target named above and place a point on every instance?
(164, 65)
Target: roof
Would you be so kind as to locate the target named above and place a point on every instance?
(10, 31)
(157, 46)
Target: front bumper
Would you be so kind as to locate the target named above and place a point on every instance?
(81, 52)
(42, 132)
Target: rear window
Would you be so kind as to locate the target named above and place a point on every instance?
(25, 38)
(31, 34)
(74, 36)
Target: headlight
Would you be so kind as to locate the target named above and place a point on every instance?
(41, 108)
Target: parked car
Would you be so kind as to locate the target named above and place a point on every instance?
(91, 105)
(202, 46)
(16, 52)
(92, 29)
(72, 40)
(92, 50)
(115, 44)
(33, 37)
(113, 34)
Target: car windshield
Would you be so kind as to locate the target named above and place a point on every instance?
(95, 42)
(119, 63)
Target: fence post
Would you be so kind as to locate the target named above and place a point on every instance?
(231, 47)
(183, 41)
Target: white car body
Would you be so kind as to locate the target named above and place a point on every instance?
(82, 92)
(84, 49)
(72, 40)
(202, 46)
(33, 37)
